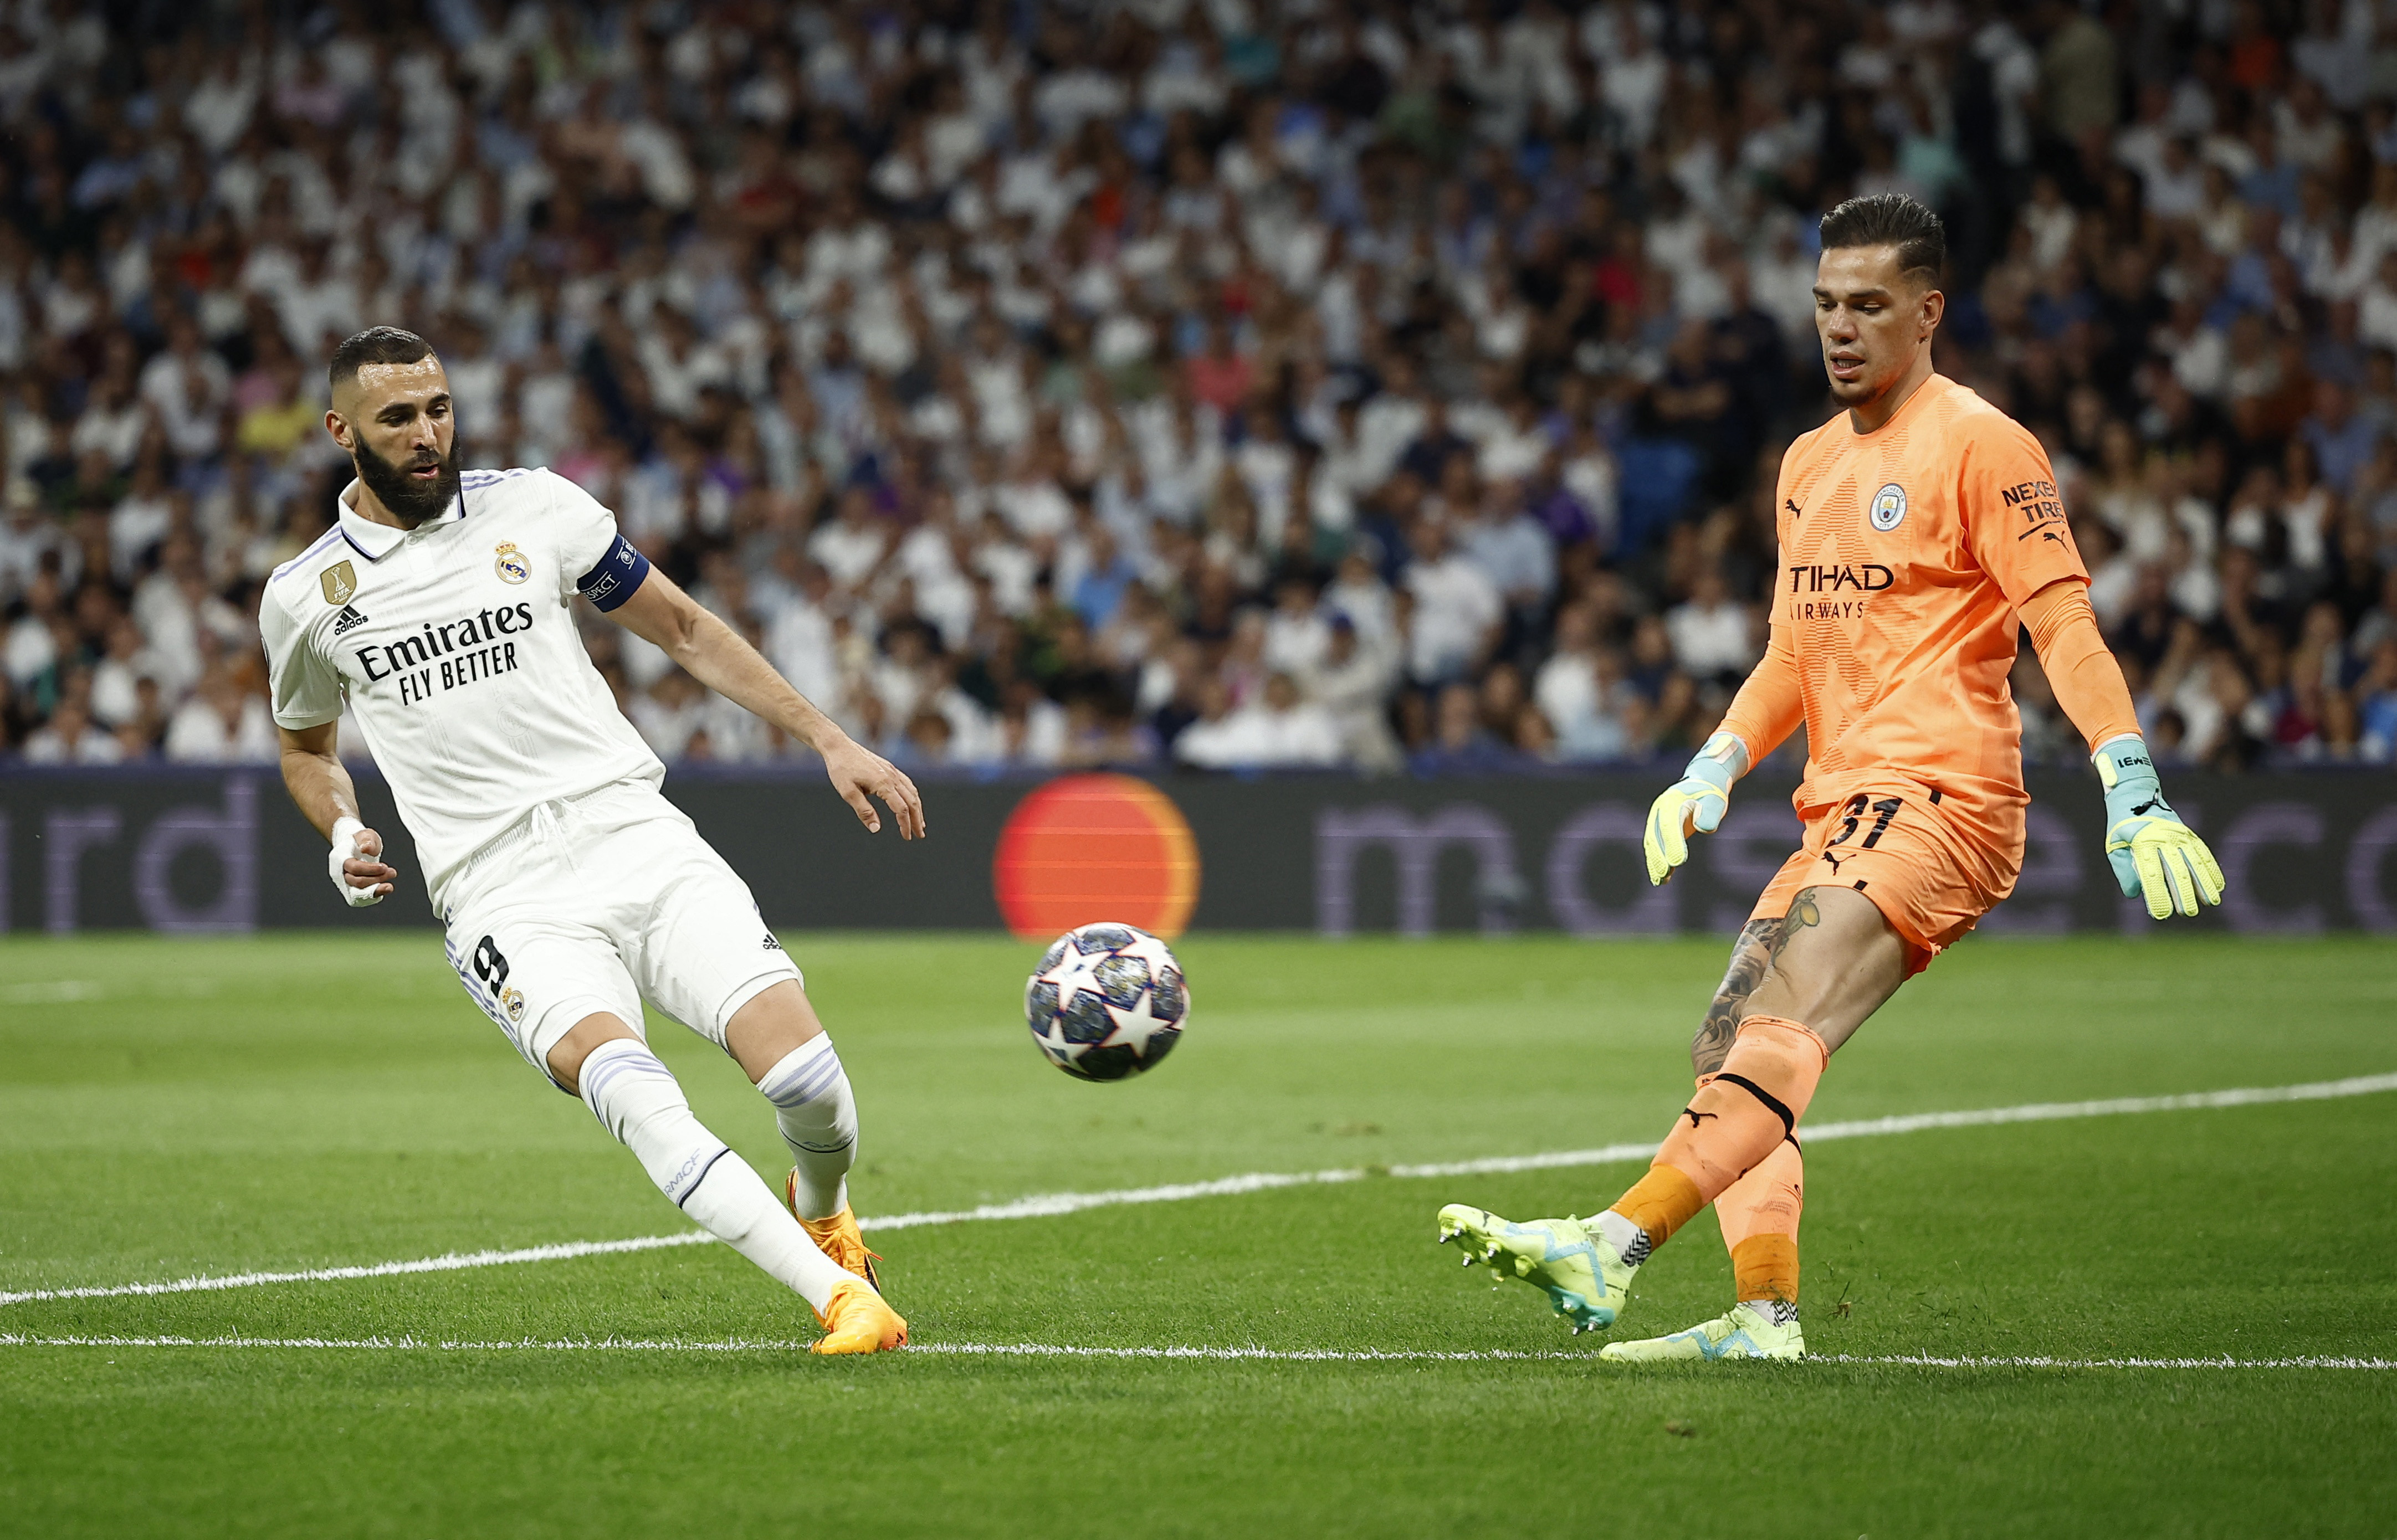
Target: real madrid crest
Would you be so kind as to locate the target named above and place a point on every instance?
(512, 1000)
(1888, 507)
(512, 565)
(339, 581)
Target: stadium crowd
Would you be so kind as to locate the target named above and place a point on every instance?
(1202, 380)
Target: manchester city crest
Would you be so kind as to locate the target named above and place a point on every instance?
(1888, 507)
(512, 565)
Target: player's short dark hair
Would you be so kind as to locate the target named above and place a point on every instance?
(375, 345)
(1890, 219)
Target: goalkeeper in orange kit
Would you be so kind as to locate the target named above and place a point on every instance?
(1921, 530)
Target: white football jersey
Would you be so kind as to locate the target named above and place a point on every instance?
(454, 647)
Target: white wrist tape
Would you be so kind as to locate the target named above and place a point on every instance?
(345, 847)
(1729, 748)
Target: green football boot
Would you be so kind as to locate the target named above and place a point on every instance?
(1744, 1332)
(1588, 1283)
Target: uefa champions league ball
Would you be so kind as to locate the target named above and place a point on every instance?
(1106, 1003)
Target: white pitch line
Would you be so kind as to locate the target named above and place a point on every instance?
(1048, 1205)
(1053, 1350)
(449, 1262)
(1375, 1355)
(1867, 1128)
(1052, 1205)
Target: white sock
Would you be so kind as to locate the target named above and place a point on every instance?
(818, 1117)
(1776, 1312)
(1630, 1243)
(635, 1098)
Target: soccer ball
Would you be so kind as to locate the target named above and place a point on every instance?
(1106, 1003)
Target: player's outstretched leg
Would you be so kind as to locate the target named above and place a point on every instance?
(817, 1113)
(1759, 1215)
(1732, 1124)
(637, 1098)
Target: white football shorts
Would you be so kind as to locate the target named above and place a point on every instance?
(595, 903)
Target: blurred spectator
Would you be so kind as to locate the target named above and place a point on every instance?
(1712, 633)
(222, 724)
(1278, 729)
(1456, 609)
(70, 738)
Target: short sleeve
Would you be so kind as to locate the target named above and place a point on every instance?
(2014, 515)
(594, 558)
(306, 688)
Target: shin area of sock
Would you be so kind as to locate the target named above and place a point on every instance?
(1659, 1203)
(1749, 1106)
(734, 1204)
(637, 1099)
(817, 1113)
(1765, 1266)
(1765, 1201)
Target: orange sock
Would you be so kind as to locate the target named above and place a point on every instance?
(1658, 1203)
(1764, 1267)
(1737, 1119)
(1759, 1215)
(1750, 1106)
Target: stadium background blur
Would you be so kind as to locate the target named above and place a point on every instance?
(1216, 383)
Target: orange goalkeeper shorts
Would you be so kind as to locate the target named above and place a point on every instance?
(1932, 866)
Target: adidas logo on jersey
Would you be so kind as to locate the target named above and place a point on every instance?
(349, 620)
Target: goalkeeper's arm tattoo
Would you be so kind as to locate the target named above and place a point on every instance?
(1749, 957)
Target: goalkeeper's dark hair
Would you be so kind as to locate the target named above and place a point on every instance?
(375, 345)
(1891, 219)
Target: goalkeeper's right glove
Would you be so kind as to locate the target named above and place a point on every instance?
(345, 847)
(2151, 850)
(1698, 800)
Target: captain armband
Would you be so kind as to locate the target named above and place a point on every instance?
(615, 577)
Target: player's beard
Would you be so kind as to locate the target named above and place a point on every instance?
(407, 499)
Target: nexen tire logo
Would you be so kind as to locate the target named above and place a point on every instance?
(1869, 577)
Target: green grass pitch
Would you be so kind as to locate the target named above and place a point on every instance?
(287, 1102)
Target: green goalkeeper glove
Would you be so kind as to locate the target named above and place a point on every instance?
(1696, 801)
(2150, 850)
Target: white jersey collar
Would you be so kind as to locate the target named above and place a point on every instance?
(374, 541)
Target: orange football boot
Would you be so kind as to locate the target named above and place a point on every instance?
(836, 1237)
(856, 1320)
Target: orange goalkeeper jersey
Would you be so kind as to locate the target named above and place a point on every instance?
(1904, 553)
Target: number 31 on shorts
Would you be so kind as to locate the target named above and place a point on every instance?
(1858, 805)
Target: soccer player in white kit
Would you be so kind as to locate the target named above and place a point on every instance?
(438, 608)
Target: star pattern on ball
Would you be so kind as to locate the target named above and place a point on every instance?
(1140, 1023)
(1076, 971)
(1150, 950)
(1053, 1042)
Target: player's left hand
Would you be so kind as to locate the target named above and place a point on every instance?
(859, 774)
(2151, 850)
(1694, 804)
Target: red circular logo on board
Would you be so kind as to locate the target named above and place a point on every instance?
(1083, 849)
